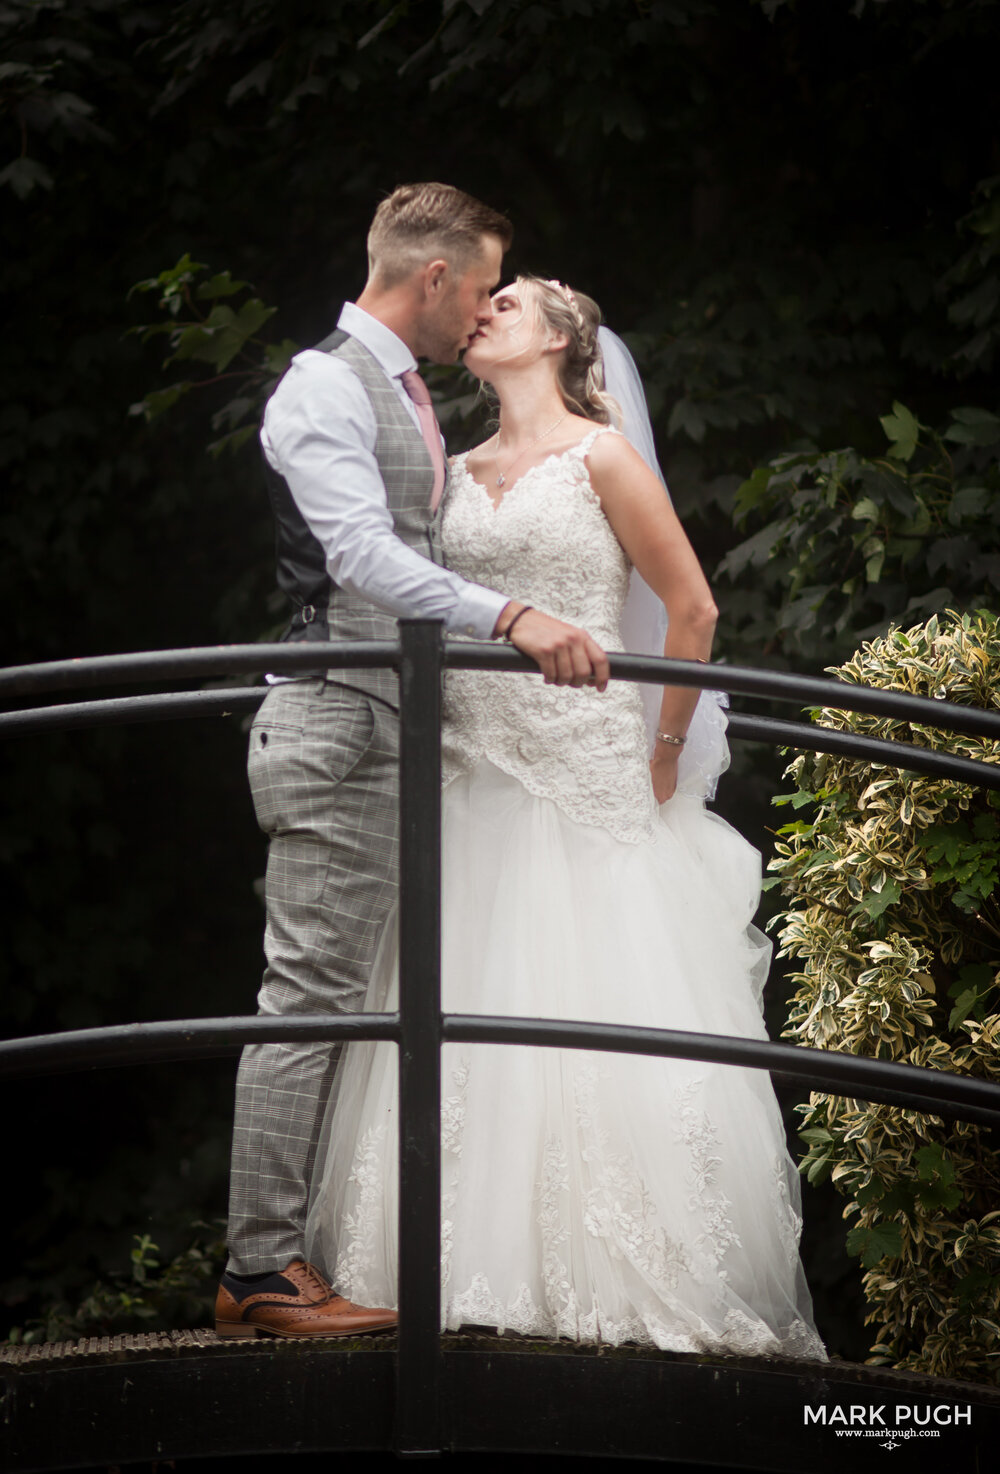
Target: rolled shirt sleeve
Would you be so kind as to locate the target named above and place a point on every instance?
(319, 433)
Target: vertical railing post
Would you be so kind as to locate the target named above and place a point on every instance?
(418, 1399)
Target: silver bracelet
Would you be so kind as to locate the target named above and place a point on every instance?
(671, 741)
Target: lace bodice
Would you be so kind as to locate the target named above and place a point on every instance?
(549, 544)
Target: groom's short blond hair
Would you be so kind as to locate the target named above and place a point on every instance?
(418, 223)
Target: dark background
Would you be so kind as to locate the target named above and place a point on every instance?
(790, 212)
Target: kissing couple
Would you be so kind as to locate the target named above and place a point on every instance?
(597, 1197)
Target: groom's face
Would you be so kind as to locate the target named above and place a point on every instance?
(463, 307)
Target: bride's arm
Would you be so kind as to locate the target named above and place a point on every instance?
(646, 525)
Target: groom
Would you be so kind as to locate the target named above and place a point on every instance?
(356, 472)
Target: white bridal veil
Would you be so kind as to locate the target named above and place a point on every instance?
(644, 619)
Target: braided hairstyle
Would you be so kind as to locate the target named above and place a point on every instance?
(581, 368)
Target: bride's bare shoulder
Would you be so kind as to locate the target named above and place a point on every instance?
(610, 450)
(620, 476)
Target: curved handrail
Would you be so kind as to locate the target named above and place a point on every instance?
(177, 705)
(933, 1092)
(419, 1028)
(167, 1041)
(878, 750)
(285, 658)
(198, 662)
(914, 1087)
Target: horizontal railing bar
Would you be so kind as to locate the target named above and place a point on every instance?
(176, 1040)
(911, 1087)
(177, 705)
(934, 1092)
(772, 685)
(124, 711)
(284, 657)
(903, 755)
(287, 658)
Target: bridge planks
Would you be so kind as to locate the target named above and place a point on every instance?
(117, 1399)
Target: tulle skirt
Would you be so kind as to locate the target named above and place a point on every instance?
(600, 1197)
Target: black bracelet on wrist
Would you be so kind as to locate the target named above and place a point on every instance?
(517, 616)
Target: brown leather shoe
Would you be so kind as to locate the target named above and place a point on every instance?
(295, 1301)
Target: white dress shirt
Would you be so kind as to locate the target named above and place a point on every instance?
(319, 433)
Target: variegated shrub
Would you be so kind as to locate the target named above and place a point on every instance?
(893, 913)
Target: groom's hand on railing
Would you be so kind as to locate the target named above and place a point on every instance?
(566, 656)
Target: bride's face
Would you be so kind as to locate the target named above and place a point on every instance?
(513, 336)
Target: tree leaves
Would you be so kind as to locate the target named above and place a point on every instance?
(875, 1242)
(158, 401)
(921, 523)
(217, 339)
(967, 858)
(222, 335)
(879, 901)
(903, 430)
(24, 175)
(936, 1173)
(971, 426)
(686, 416)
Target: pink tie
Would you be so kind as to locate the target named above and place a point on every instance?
(429, 428)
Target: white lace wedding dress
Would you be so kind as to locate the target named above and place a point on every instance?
(599, 1197)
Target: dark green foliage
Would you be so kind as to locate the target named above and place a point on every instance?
(216, 334)
(850, 542)
(172, 1294)
(792, 212)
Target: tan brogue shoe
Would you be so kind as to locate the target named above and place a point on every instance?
(294, 1301)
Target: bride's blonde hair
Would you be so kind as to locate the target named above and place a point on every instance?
(580, 376)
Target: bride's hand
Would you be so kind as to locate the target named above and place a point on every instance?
(663, 771)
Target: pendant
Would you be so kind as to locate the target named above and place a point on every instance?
(500, 479)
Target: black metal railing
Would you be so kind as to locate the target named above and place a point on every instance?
(226, 701)
(419, 1028)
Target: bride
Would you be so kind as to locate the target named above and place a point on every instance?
(600, 1197)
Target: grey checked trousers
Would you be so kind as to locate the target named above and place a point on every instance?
(323, 769)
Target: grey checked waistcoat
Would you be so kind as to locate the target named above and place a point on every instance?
(323, 610)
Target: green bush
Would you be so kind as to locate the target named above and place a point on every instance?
(842, 543)
(893, 918)
(148, 1296)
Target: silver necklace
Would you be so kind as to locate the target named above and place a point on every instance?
(502, 475)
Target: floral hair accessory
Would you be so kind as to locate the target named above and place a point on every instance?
(566, 291)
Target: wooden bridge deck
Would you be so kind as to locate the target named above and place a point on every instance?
(114, 1400)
